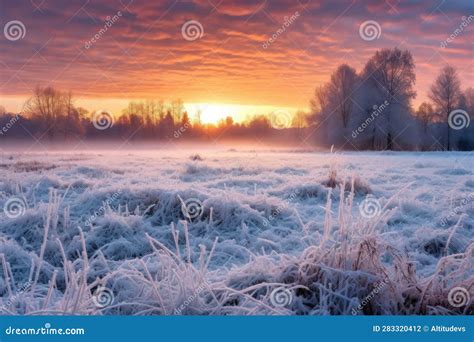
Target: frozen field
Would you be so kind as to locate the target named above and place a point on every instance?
(236, 232)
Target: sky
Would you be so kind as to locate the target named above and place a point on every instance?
(231, 57)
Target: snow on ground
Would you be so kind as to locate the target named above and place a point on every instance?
(236, 232)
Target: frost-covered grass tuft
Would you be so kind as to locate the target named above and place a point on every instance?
(119, 243)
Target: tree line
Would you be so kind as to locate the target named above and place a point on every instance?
(50, 114)
(371, 109)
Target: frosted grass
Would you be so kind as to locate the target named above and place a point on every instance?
(270, 221)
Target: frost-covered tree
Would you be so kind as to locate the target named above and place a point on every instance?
(446, 94)
(341, 87)
(332, 104)
(391, 75)
(319, 114)
(468, 98)
(463, 139)
(426, 116)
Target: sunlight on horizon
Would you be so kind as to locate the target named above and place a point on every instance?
(211, 113)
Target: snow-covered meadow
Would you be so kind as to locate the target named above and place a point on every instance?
(217, 232)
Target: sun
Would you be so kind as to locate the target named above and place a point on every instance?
(213, 113)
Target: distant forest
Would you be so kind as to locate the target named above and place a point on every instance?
(369, 110)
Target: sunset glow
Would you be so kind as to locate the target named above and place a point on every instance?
(213, 113)
(242, 56)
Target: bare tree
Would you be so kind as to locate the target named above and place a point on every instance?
(48, 105)
(392, 73)
(340, 88)
(300, 119)
(177, 109)
(446, 94)
(332, 106)
(197, 118)
(70, 123)
(319, 100)
(469, 101)
(319, 110)
(185, 120)
(426, 115)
